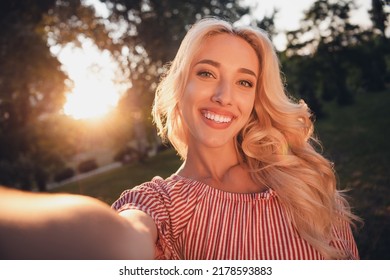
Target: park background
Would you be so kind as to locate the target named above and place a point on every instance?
(77, 81)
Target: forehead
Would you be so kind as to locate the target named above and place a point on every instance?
(228, 49)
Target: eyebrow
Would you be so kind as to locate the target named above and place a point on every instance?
(217, 64)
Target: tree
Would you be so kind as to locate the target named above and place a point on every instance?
(379, 16)
(302, 81)
(37, 85)
(328, 36)
(326, 22)
(31, 85)
(379, 50)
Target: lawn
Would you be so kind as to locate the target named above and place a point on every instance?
(109, 185)
(355, 138)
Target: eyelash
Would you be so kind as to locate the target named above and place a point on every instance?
(208, 74)
(246, 83)
(205, 74)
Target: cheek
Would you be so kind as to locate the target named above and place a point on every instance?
(187, 100)
(196, 91)
(247, 105)
(188, 94)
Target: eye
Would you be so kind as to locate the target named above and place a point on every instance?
(205, 74)
(245, 83)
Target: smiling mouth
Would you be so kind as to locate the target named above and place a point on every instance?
(216, 117)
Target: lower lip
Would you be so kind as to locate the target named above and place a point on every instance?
(216, 125)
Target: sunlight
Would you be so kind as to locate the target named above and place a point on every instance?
(93, 72)
(91, 98)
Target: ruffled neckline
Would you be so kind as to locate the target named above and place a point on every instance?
(267, 194)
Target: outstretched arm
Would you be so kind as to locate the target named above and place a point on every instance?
(63, 226)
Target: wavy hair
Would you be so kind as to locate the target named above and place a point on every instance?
(277, 143)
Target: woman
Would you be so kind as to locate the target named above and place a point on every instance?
(251, 185)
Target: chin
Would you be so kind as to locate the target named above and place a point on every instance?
(218, 143)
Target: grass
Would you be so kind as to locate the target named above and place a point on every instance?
(354, 137)
(109, 185)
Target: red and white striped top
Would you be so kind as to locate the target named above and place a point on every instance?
(196, 221)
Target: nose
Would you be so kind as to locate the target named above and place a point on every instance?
(223, 93)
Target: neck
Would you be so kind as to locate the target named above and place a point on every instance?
(209, 163)
(219, 168)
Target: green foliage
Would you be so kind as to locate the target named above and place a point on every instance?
(305, 88)
(169, 20)
(32, 82)
(337, 60)
(31, 86)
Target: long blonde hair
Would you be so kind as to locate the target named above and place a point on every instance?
(276, 143)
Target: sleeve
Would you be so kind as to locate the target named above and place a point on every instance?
(153, 199)
(343, 236)
(345, 241)
(171, 204)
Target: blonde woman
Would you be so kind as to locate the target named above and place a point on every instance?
(251, 185)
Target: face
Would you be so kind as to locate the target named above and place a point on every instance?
(220, 91)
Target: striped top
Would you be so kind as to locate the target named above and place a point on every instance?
(196, 221)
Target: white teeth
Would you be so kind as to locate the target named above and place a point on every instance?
(217, 118)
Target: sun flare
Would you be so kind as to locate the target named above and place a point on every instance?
(91, 98)
(93, 72)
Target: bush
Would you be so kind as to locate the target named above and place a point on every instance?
(87, 165)
(127, 155)
(64, 174)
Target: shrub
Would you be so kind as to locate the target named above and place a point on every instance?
(64, 174)
(87, 165)
(127, 155)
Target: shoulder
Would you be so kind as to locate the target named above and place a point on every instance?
(168, 192)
